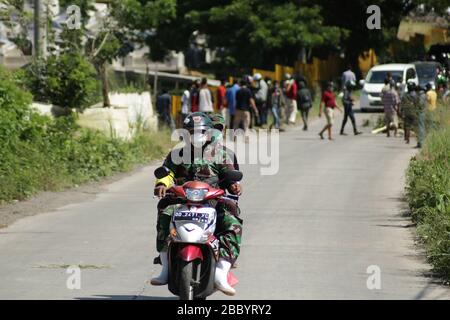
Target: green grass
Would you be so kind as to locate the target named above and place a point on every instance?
(52, 163)
(428, 191)
(40, 153)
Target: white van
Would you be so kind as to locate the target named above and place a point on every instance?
(370, 98)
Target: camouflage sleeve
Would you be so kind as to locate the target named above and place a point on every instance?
(226, 164)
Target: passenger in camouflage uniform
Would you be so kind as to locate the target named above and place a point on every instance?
(219, 124)
(210, 165)
(413, 104)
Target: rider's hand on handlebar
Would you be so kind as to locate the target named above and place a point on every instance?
(235, 189)
(160, 191)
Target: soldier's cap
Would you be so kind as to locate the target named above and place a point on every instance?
(217, 120)
(198, 120)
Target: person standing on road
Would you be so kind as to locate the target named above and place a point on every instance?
(390, 101)
(408, 110)
(164, 108)
(348, 102)
(275, 102)
(205, 101)
(221, 99)
(185, 103)
(261, 98)
(431, 97)
(329, 101)
(304, 103)
(194, 95)
(244, 103)
(421, 107)
(231, 103)
(291, 99)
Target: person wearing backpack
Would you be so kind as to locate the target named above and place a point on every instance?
(304, 102)
(347, 101)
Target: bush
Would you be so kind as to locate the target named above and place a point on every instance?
(41, 153)
(67, 80)
(428, 193)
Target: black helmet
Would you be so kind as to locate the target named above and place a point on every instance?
(198, 121)
(411, 85)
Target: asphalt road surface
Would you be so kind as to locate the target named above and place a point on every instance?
(310, 232)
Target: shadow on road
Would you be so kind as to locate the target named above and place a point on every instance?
(125, 297)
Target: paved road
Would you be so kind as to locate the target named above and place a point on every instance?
(311, 231)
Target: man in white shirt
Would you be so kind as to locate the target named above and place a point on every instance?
(205, 98)
(185, 103)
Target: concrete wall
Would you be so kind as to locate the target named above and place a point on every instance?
(128, 112)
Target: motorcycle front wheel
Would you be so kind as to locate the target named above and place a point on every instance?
(186, 291)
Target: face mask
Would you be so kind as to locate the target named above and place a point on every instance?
(198, 139)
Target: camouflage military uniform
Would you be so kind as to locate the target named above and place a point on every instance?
(408, 110)
(413, 107)
(229, 225)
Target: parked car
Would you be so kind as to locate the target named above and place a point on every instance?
(427, 72)
(370, 99)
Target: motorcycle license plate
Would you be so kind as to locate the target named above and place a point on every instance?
(191, 216)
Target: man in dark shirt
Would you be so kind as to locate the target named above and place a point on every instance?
(348, 100)
(164, 107)
(244, 103)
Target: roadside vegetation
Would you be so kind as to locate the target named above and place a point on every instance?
(428, 191)
(39, 153)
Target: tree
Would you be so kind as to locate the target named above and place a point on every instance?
(352, 16)
(248, 33)
(67, 80)
(101, 46)
(101, 55)
(141, 21)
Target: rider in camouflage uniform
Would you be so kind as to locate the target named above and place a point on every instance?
(209, 165)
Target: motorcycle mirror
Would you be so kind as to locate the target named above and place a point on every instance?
(161, 172)
(233, 175)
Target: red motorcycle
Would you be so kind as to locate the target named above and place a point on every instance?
(193, 249)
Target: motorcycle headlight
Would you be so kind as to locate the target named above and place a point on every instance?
(196, 194)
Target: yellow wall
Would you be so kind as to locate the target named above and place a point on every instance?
(367, 61)
(320, 70)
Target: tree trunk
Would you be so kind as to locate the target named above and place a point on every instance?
(105, 87)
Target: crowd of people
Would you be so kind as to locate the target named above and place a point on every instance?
(249, 102)
(245, 103)
(408, 108)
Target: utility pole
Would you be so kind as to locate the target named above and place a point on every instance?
(40, 41)
(155, 82)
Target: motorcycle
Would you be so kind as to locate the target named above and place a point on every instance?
(193, 249)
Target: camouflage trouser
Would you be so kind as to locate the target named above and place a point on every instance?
(228, 229)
